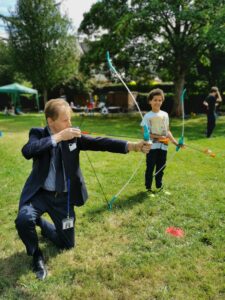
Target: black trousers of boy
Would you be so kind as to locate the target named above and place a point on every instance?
(155, 159)
(211, 123)
(30, 215)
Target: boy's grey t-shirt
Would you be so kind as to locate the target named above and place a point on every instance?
(158, 123)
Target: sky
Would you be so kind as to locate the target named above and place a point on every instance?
(74, 9)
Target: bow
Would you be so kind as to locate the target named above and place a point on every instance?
(181, 139)
(146, 134)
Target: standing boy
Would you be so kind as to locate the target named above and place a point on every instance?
(158, 124)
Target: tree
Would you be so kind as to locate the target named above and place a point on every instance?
(99, 24)
(155, 35)
(42, 43)
(6, 68)
(8, 73)
(212, 62)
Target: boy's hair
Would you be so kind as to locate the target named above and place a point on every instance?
(214, 89)
(155, 92)
(53, 106)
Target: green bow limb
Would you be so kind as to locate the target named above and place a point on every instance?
(181, 139)
(180, 143)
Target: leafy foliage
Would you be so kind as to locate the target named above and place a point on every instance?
(153, 37)
(6, 69)
(42, 43)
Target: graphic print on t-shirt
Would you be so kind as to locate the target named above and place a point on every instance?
(158, 125)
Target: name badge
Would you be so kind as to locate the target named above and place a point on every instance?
(67, 223)
(72, 146)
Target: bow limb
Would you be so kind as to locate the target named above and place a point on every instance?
(181, 139)
(124, 186)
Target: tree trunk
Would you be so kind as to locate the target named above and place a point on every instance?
(178, 85)
(45, 94)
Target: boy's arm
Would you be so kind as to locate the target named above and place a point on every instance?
(172, 139)
(219, 98)
(205, 103)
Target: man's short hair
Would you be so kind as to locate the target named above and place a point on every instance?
(155, 92)
(53, 106)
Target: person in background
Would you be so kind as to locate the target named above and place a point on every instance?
(62, 94)
(211, 101)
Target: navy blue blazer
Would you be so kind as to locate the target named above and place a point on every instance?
(39, 148)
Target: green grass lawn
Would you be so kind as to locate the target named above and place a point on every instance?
(124, 253)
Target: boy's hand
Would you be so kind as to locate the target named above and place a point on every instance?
(180, 145)
(141, 146)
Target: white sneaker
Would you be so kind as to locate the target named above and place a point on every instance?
(151, 193)
(167, 193)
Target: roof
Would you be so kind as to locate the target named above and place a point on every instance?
(16, 88)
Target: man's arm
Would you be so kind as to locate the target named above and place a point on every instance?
(111, 145)
(37, 144)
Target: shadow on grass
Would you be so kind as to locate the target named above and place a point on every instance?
(131, 201)
(119, 203)
(13, 267)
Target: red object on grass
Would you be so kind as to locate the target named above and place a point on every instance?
(175, 231)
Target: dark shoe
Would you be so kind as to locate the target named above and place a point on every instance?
(159, 189)
(39, 267)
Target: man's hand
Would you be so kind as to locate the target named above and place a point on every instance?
(141, 146)
(67, 134)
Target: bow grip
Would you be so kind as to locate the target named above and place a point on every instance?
(146, 133)
(180, 143)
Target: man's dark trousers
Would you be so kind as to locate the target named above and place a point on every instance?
(29, 216)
